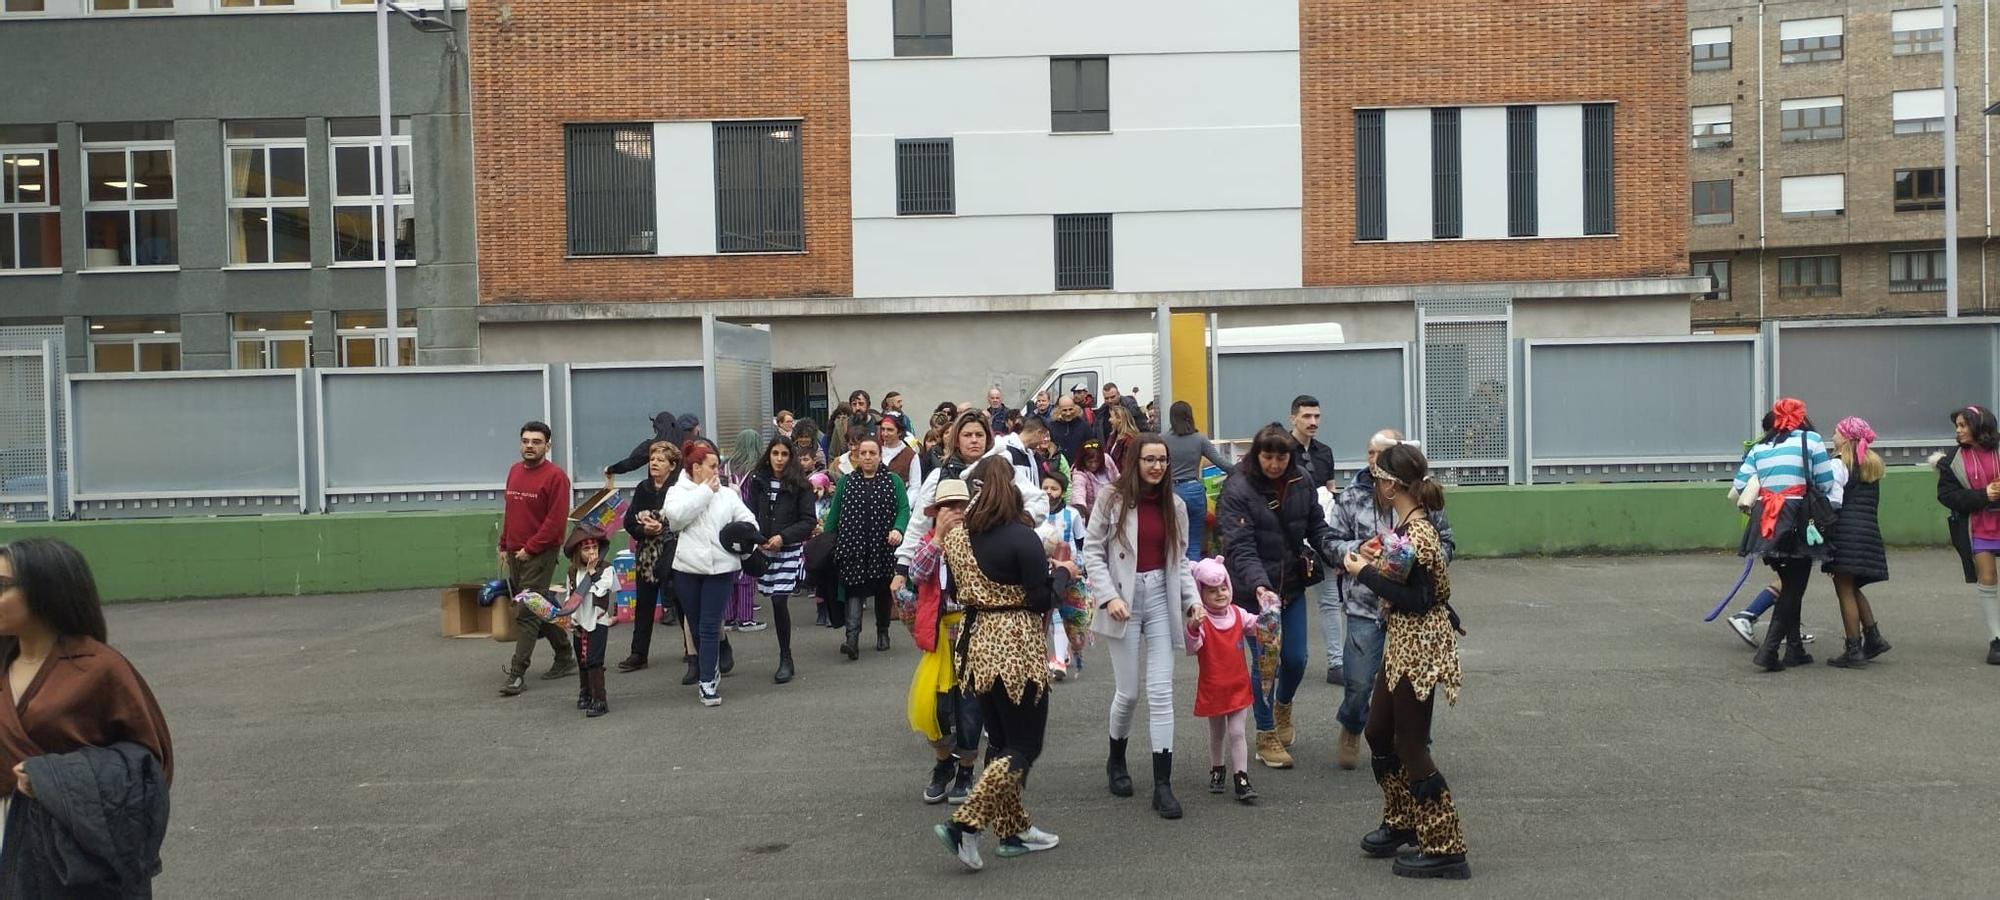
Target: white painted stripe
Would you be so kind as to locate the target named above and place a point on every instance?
(1559, 171)
(1406, 154)
(1483, 161)
(684, 187)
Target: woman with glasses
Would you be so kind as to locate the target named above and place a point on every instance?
(1135, 561)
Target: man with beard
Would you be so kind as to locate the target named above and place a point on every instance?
(856, 415)
(531, 533)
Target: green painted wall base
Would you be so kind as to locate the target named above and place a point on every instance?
(290, 555)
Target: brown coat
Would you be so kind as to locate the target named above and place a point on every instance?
(86, 695)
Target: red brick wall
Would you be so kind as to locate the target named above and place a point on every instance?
(554, 62)
(1481, 52)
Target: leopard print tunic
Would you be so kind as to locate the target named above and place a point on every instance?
(1424, 648)
(1008, 643)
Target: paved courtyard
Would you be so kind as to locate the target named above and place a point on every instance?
(1608, 744)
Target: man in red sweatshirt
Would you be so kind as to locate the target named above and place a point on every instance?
(531, 534)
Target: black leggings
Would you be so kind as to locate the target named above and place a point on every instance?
(1014, 730)
(878, 590)
(647, 595)
(781, 619)
(1400, 724)
(1794, 575)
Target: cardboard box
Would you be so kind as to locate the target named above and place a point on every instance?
(459, 612)
(500, 622)
(604, 509)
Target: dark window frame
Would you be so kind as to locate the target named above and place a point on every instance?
(619, 220)
(1717, 135)
(1827, 48)
(1447, 175)
(1083, 248)
(921, 37)
(1371, 207)
(763, 214)
(1916, 41)
(1600, 169)
(1704, 58)
(1725, 214)
(1934, 268)
(1083, 112)
(926, 177)
(1907, 192)
(1523, 177)
(1717, 270)
(1812, 123)
(1793, 270)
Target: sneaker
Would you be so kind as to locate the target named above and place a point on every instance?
(1057, 670)
(1217, 782)
(940, 781)
(963, 845)
(1993, 653)
(561, 668)
(710, 693)
(1805, 637)
(961, 786)
(1244, 792)
(751, 625)
(512, 686)
(1028, 841)
(1745, 628)
(728, 624)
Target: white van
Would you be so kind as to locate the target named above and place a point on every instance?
(1126, 360)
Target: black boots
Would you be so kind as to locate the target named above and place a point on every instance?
(940, 785)
(1850, 657)
(632, 663)
(1114, 770)
(1766, 656)
(1872, 644)
(1244, 792)
(597, 706)
(694, 669)
(881, 639)
(727, 660)
(1439, 834)
(1795, 653)
(819, 616)
(784, 667)
(852, 645)
(1163, 789)
(1218, 780)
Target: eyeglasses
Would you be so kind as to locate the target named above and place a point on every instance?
(1153, 460)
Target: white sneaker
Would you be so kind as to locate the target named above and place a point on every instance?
(710, 695)
(962, 845)
(1037, 839)
(752, 625)
(1745, 628)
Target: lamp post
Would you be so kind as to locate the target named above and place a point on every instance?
(387, 171)
(1951, 159)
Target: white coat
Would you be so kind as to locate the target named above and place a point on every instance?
(697, 514)
(1111, 565)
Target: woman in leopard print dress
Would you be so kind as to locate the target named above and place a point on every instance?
(1419, 659)
(1002, 574)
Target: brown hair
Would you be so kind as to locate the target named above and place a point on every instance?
(1121, 420)
(970, 417)
(1406, 464)
(995, 501)
(1128, 490)
(1272, 438)
(667, 447)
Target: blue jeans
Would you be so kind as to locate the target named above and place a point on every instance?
(1291, 661)
(958, 717)
(702, 599)
(1195, 497)
(1364, 660)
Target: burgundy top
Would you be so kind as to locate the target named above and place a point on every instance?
(1152, 533)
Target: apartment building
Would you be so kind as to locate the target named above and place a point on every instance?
(194, 184)
(891, 182)
(1816, 158)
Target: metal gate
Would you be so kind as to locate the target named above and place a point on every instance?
(28, 433)
(738, 387)
(1464, 368)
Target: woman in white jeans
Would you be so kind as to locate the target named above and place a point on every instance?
(1135, 563)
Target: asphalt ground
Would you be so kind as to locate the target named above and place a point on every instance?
(1608, 744)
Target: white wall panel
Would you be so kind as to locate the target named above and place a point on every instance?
(873, 182)
(1406, 146)
(684, 187)
(1204, 90)
(1196, 251)
(1559, 168)
(941, 97)
(944, 257)
(1231, 168)
(1068, 27)
(1483, 164)
(871, 29)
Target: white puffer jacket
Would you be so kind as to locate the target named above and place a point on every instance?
(697, 514)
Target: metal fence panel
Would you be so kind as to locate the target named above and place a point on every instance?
(440, 437)
(1362, 389)
(1639, 408)
(187, 443)
(1465, 347)
(1904, 377)
(48, 338)
(611, 408)
(739, 366)
(27, 435)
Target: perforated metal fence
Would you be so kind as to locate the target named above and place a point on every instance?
(22, 406)
(1464, 367)
(27, 435)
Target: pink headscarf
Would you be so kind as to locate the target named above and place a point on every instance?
(1857, 430)
(1211, 572)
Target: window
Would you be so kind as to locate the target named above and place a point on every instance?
(1712, 126)
(1714, 202)
(1521, 178)
(30, 205)
(364, 338)
(1809, 276)
(252, 4)
(272, 340)
(269, 218)
(924, 177)
(129, 215)
(609, 188)
(128, 5)
(1812, 119)
(1919, 189)
(759, 207)
(23, 6)
(1717, 271)
(1080, 94)
(1916, 271)
(1809, 40)
(357, 190)
(1812, 196)
(1083, 252)
(150, 344)
(1598, 190)
(923, 27)
(1447, 211)
(1913, 31)
(1709, 48)
(1371, 207)
(1917, 112)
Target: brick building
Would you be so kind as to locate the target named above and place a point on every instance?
(1816, 160)
(884, 182)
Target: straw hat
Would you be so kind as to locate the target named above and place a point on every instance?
(949, 490)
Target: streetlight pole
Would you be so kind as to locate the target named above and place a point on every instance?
(1951, 159)
(386, 224)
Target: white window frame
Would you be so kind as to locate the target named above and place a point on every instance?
(373, 201)
(302, 202)
(1917, 124)
(406, 334)
(1712, 135)
(134, 340)
(132, 9)
(16, 211)
(130, 206)
(24, 13)
(265, 337)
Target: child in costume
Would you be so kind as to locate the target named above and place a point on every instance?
(592, 584)
(1215, 633)
(1062, 538)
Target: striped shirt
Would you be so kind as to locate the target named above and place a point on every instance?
(1781, 466)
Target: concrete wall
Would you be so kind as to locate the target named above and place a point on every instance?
(286, 555)
(199, 71)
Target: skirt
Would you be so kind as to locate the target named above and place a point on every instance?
(1787, 540)
(782, 575)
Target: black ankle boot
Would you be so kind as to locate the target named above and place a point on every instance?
(1115, 771)
(1218, 780)
(1163, 788)
(1244, 792)
(1384, 841)
(1872, 644)
(1767, 656)
(694, 669)
(784, 667)
(819, 616)
(881, 639)
(1795, 653)
(1850, 657)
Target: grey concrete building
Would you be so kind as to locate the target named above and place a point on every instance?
(1816, 160)
(190, 184)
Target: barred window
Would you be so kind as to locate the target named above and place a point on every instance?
(609, 190)
(1522, 183)
(1447, 210)
(759, 204)
(1083, 252)
(924, 177)
(1598, 199)
(1371, 208)
(1916, 271)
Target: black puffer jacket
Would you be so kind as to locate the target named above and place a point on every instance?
(1857, 536)
(791, 517)
(93, 828)
(1268, 529)
(1961, 500)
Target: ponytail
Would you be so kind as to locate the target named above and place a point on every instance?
(1429, 493)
